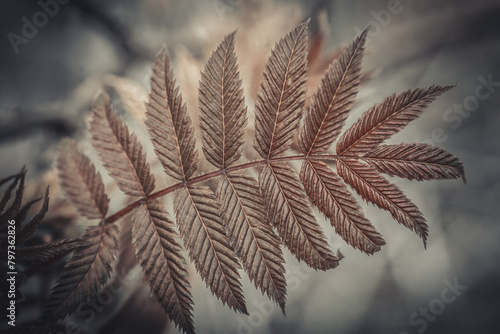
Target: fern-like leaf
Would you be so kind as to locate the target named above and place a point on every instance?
(86, 272)
(222, 110)
(158, 252)
(373, 187)
(333, 100)
(81, 183)
(46, 252)
(8, 192)
(281, 95)
(7, 179)
(150, 220)
(120, 150)
(416, 162)
(23, 211)
(15, 206)
(29, 228)
(168, 122)
(292, 215)
(327, 191)
(223, 121)
(383, 120)
(252, 236)
(218, 231)
(205, 239)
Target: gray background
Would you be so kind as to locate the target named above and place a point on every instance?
(46, 89)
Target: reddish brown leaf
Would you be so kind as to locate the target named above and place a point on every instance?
(288, 206)
(222, 109)
(327, 191)
(333, 100)
(120, 150)
(204, 237)
(374, 188)
(169, 124)
(281, 95)
(81, 183)
(159, 254)
(416, 162)
(85, 273)
(251, 235)
(383, 120)
(239, 224)
(46, 252)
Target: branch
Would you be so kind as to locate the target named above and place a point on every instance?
(204, 177)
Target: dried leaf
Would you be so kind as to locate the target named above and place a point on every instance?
(81, 183)
(8, 214)
(416, 162)
(222, 110)
(299, 231)
(158, 252)
(30, 228)
(11, 211)
(205, 239)
(281, 95)
(6, 195)
(327, 191)
(251, 235)
(333, 100)
(46, 252)
(383, 120)
(238, 223)
(85, 273)
(23, 211)
(168, 122)
(374, 188)
(120, 150)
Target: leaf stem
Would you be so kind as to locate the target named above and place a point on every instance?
(204, 177)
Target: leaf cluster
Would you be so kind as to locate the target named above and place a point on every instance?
(242, 223)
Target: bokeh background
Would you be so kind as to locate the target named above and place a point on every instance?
(47, 83)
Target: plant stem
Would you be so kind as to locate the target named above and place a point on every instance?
(211, 175)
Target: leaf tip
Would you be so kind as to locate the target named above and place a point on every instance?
(232, 34)
(340, 256)
(441, 89)
(101, 97)
(461, 171)
(363, 35)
